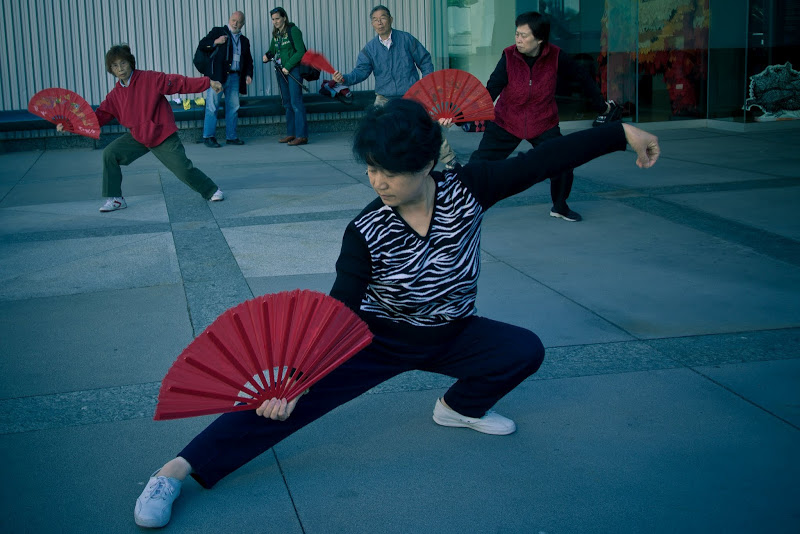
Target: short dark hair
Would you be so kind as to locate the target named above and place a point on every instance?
(399, 137)
(379, 8)
(538, 23)
(119, 51)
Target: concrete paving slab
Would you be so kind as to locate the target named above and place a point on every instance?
(87, 479)
(619, 169)
(79, 188)
(261, 285)
(299, 175)
(66, 267)
(612, 453)
(213, 161)
(92, 340)
(16, 165)
(81, 162)
(286, 249)
(507, 295)
(781, 399)
(281, 200)
(775, 212)
(81, 214)
(740, 347)
(752, 155)
(673, 280)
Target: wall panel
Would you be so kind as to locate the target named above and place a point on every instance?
(61, 43)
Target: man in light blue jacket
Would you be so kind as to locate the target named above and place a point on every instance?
(395, 58)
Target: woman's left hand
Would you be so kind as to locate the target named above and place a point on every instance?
(446, 123)
(216, 86)
(278, 409)
(285, 71)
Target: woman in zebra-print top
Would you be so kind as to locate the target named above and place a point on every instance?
(409, 267)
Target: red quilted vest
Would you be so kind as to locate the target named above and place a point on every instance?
(527, 106)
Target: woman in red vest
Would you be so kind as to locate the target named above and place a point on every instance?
(525, 81)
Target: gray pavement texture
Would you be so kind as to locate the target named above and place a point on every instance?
(669, 400)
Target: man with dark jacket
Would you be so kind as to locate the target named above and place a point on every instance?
(232, 66)
(525, 82)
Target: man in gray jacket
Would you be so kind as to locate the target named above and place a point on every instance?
(395, 58)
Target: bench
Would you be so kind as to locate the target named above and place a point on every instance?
(249, 106)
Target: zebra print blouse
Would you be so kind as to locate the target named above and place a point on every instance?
(401, 283)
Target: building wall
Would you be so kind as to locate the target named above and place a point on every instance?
(61, 43)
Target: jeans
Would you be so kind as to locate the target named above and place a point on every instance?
(292, 100)
(231, 91)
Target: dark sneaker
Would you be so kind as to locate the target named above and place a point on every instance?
(236, 141)
(211, 142)
(613, 114)
(569, 215)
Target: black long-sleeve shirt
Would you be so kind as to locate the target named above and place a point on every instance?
(419, 288)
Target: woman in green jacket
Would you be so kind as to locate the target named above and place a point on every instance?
(287, 49)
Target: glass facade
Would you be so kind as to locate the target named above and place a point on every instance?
(663, 60)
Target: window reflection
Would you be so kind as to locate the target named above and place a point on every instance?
(662, 59)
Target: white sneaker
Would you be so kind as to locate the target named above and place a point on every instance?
(154, 505)
(113, 204)
(216, 197)
(491, 423)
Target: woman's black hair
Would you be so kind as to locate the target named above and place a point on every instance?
(283, 15)
(120, 51)
(399, 137)
(538, 23)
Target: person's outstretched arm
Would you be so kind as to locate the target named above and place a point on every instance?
(492, 181)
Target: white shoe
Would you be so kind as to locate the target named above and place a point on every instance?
(491, 423)
(113, 204)
(216, 197)
(154, 505)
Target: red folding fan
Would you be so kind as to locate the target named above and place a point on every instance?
(453, 94)
(62, 106)
(276, 345)
(317, 60)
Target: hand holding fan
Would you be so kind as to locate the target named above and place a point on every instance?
(453, 94)
(273, 346)
(62, 106)
(317, 60)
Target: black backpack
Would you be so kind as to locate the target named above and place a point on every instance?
(204, 59)
(307, 73)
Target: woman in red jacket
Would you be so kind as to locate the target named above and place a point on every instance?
(137, 102)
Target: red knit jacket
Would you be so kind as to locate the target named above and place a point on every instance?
(527, 106)
(141, 106)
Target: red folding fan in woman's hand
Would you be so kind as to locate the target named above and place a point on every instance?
(273, 346)
(62, 106)
(453, 94)
(317, 60)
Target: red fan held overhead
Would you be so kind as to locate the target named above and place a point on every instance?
(273, 346)
(453, 94)
(317, 60)
(62, 106)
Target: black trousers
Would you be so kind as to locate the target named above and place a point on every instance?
(489, 359)
(497, 144)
